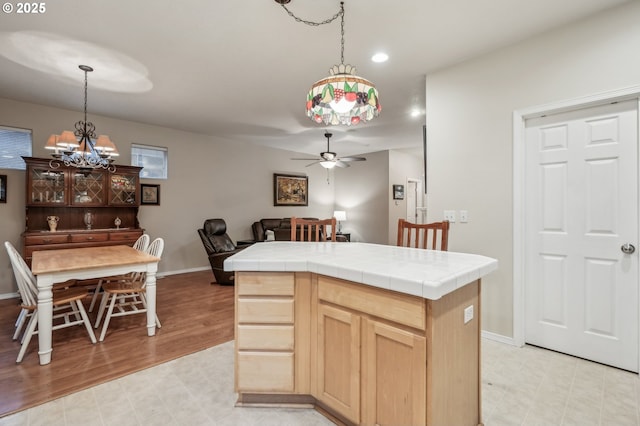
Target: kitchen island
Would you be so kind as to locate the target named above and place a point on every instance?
(367, 333)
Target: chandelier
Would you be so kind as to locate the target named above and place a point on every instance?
(342, 98)
(81, 148)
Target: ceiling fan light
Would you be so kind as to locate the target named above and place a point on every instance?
(328, 164)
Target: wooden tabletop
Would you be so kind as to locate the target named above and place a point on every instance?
(47, 261)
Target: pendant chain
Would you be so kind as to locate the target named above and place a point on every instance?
(326, 21)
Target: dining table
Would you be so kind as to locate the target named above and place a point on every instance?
(60, 265)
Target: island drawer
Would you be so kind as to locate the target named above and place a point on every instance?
(265, 311)
(265, 337)
(400, 308)
(261, 284)
(265, 371)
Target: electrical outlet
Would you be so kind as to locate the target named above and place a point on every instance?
(468, 314)
(450, 215)
(464, 216)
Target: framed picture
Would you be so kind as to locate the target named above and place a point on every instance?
(398, 192)
(150, 194)
(3, 188)
(290, 190)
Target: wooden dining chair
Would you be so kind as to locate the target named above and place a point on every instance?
(67, 303)
(127, 296)
(433, 236)
(312, 229)
(141, 244)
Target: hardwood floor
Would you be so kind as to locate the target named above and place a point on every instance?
(195, 315)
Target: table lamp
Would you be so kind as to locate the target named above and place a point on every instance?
(340, 215)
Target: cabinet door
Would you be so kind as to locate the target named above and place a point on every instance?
(123, 189)
(87, 187)
(394, 376)
(46, 186)
(339, 361)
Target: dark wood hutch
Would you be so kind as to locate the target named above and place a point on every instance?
(69, 193)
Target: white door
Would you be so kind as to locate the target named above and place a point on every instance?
(414, 201)
(581, 200)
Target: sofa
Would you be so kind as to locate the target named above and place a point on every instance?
(281, 228)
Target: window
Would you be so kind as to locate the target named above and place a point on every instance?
(14, 144)
(152, 158)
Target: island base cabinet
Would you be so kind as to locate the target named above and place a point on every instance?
(364, 355)
(394, 377)
(339, 338)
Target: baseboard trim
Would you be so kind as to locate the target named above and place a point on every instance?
(9, 296)
(182, 271)
(498, 338)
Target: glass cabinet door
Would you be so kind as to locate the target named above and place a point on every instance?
(47, 186)
(87, 187)
(123, 189)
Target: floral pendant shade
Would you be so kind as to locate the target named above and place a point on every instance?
(343, 98)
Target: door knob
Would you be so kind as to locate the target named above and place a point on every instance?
(627, 248)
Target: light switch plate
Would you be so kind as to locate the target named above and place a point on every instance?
(450, 215)
(468, 314)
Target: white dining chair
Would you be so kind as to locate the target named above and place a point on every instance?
(67, 303)
(141, 244)
(127, 296)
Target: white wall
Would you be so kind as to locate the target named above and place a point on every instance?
(208, 177)
(469, 122)
(402, 165)
(361, 191)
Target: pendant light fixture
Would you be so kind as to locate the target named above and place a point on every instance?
(342, 98)
(81, 148)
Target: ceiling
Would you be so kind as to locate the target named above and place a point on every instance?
(240, 70)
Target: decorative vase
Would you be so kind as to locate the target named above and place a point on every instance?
(117, 222)
(53, 223)
(88, 219)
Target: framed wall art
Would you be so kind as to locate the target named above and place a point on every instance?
(150, 194)
(398, 192)
(3, 188)
(290, 190)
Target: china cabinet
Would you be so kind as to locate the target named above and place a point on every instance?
(86, 202)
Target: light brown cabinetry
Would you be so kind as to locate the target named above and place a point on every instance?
(265, 333)
(339, 340)
(69, 193)
(371, 353)
(394, 376)
(366, 355)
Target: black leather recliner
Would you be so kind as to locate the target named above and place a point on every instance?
(219, 246)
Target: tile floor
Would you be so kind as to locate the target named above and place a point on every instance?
(521, 386)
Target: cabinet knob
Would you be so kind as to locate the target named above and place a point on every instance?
(89, 238)
(46, 240)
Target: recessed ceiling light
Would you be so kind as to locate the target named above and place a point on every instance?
(380, 57)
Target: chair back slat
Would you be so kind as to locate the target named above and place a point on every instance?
(155, 248)
(433, 236)
(312, 230)
(26, 281)
(142, 242)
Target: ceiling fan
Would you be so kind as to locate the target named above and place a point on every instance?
(329, 159)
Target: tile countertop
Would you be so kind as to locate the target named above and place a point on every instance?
(427, 273)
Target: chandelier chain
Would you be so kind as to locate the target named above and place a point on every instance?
(85, 96)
